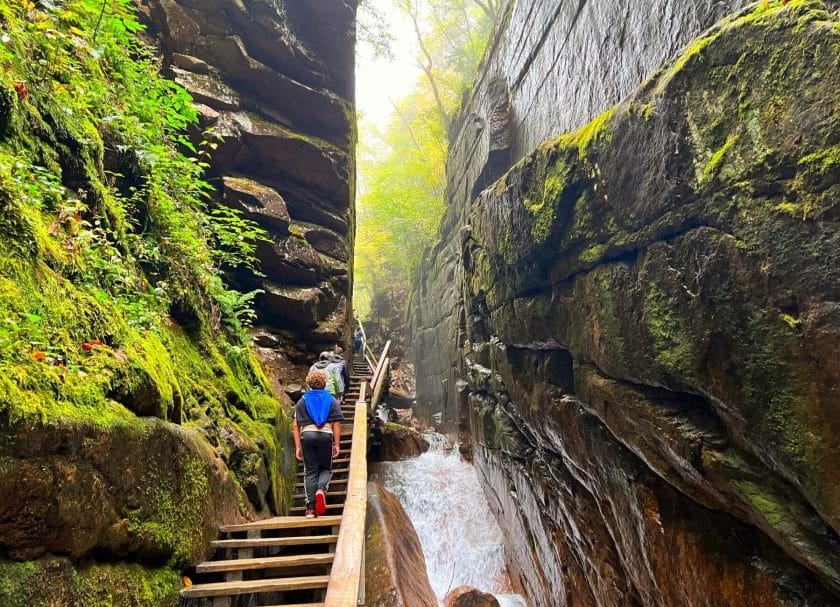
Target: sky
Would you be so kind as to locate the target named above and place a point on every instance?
(380, 80)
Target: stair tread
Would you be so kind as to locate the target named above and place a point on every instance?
(280, 522)
(271, 562)
(336, 506)
(255, 586)
(270, 542)
(329, 494)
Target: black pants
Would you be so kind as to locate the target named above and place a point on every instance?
(317, 462)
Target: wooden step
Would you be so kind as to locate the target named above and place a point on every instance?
(330, 507)
(330, 494)
(255, 586)
(339, 481)
(335, 471)
(273, 542)
(281, 522)
(273, 562)
(299, 605)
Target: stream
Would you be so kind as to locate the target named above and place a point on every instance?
(462, 542)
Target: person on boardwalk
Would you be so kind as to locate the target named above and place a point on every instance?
(332, 371)
(339, 365)
(317, 434)
(358, 338)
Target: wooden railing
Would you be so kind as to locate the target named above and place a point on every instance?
(380, 376)
(347, 579)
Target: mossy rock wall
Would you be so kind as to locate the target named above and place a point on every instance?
(648, 331)
(134, 417)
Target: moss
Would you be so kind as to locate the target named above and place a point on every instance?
(673, 349)
(776, 513)
(789, 320)
(53, 582)
(171, 509)
(712, 166)
(592, 254)
(595, 132)
(647, 113)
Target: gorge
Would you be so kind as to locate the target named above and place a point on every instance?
(629, 317)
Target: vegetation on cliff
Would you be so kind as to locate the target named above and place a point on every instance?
(112, 304)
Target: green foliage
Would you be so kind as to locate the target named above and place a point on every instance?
(110, 262)
(402, 176)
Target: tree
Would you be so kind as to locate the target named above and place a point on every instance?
(402, 177)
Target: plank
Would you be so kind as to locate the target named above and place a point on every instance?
(348, 567)
(270, 542)
(330, 507)
(282, 522)
(255, 586)
(273, 562)
(331, 493)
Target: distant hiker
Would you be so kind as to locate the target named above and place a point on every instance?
(358, 336)
(338, 360)
(332, 371)
(317, 434)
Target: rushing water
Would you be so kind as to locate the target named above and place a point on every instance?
(461, 540)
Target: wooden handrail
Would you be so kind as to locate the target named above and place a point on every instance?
(378, 387)
(346, 586)
(379, 365)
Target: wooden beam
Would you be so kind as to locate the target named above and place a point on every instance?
(272, 562)
(347, 570)
(283, 522)
(269, 542)
(255, 586)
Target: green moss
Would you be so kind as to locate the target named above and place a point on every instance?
(592, 254)
(58, 582)
(712, 166)
(776, 513)
(789, 320)
(597, 131)
(647, 113)
(673, 349)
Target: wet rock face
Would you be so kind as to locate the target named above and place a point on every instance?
(274, 80)
(647, 325)
(395, 568)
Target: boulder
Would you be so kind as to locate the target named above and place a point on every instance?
(258, 202)
(467, 596)
(149, 490)
(397, 442)
(395, 568)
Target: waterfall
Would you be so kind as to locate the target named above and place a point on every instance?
(461, 540)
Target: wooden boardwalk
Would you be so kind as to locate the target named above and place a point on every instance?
(295, 561)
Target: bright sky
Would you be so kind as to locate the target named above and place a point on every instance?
(380, 80)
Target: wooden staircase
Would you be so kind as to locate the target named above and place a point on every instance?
(285, 560)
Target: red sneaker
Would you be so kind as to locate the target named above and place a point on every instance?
(320, 502)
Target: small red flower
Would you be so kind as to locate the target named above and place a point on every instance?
(39, 355)
(87, 347)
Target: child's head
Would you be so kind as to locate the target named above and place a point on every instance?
(317, 380)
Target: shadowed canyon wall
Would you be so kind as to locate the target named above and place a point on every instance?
(638, 320)
(274, 81)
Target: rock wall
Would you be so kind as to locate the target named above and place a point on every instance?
(637, 322)
(274, 81)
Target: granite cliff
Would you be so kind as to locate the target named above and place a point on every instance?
(637, 321)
